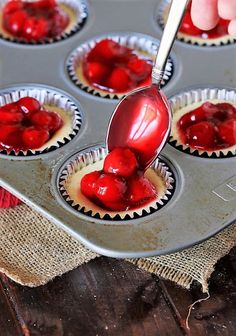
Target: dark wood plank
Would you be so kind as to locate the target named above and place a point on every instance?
(9, 324)
(216, 316)
(104, 297)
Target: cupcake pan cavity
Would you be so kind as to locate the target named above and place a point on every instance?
(77, 11)
(140, 43)
(47, 97)
(204, 199)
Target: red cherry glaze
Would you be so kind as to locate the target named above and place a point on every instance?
(110, 188)
(25, 125)
(119, 186)
(209, 127)
(140, 190)
(187, 27)
(121, 162)
(34, 138)
(115, 68)
(34, 20)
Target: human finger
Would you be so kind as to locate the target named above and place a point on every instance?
(204, 13)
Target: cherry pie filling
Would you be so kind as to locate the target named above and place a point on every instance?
(25, 124)
(209, 127)
(114, 68)
(187, 27)
(34, 20)
(120, 185)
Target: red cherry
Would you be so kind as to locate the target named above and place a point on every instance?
(12, 107)
(60, 21)
(35, 28)
(14, 139)
(121, 162)
(110, 188)
(34, 137)
(88, 183)
(105, 50)
(140, 68)
(12, 6)
(140, 190)
(10, 117)
(6, 130)
(119, 80)
(187, 26)
(192, 118)
(227, 132)
(43, 4)
(15, 21)
(96, 72)
(225, 111)
(201, 135)
(29, 105)
(46, 119)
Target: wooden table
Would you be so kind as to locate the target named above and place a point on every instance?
(110, 297)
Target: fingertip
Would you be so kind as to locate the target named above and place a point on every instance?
(204, 14)
(232, 28)
(227, 9)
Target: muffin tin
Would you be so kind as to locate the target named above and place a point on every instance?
(204, 196)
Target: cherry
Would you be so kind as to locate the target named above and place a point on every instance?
(43, 4)
(35, 28)
(12, 6)
(140, 68)
(227, 132)
(201, 135)
(110, 188)
(121, 162)
(96, 72)
(34, 137)
(10, 117)
(60, 22)
(105, 50)
(14, 139)
(29, 105)
(140, 189)
(46, 119)
(119, 80)
(6, 130)
(15, 21)
(88, 183)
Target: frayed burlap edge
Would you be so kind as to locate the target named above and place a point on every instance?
(33, 251)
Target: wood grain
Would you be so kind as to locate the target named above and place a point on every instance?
(109, 297)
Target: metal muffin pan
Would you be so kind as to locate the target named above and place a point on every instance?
(204, 201)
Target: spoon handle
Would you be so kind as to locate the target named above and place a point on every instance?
(175, 16)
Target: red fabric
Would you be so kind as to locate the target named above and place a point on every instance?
(7, 200)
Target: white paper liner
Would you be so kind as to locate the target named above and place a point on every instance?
(142, 44)
(78, 14)
(83, 205)
(198, 41)
(71, 117)
(215, 95)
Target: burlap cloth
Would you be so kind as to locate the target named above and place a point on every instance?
(34, 251)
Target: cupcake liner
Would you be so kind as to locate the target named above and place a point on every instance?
(142, 44)
(92, 159)
(76, 9)
(199, 96)
(7, 200)
(193, 40)
(53, 100)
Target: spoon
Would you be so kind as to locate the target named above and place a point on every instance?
(142, 119)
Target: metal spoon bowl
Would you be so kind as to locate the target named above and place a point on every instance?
(142, 119)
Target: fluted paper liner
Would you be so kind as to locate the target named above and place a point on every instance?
(194, 40)
(92, 159)
(199, 96)
(53, 101)
(144, 45)
(77, 11)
